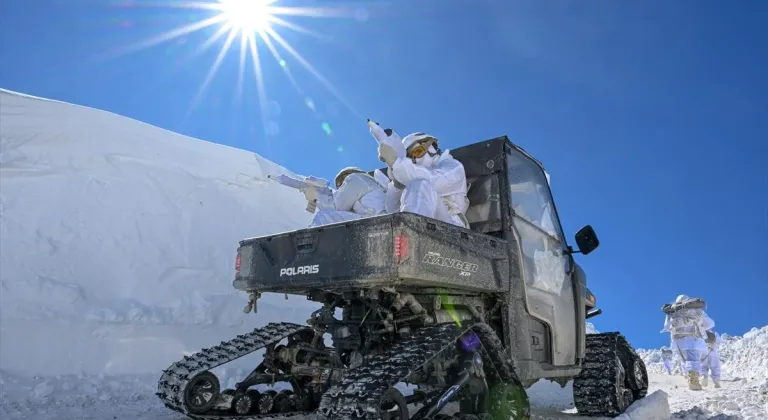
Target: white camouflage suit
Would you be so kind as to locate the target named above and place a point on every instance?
(434, 185)
(358, 196)
(672, 361)
(687, 330)
(710, 363)
(666, 357)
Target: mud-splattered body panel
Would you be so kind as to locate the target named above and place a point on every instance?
(398, 249)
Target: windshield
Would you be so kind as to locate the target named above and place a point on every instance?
(530, 195)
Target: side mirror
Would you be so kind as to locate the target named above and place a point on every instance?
(586, 239)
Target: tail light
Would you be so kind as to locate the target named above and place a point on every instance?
(401, 247)
(237, 263)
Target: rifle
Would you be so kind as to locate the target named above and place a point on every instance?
(319, 184)
(694, 303)
(386, 136)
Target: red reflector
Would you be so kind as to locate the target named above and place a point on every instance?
(401, 247)
(237, 263)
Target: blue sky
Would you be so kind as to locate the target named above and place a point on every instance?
(651, 116)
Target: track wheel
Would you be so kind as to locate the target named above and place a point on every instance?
(622, 398)
(243, 403)
(201, 393)
(509, 401)
(266, 402)
(392, 406)
(283, 401)
(255, 395)
(637, 377)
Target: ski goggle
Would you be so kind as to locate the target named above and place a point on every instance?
(420, 148)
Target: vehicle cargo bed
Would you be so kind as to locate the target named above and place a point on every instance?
(396, 249)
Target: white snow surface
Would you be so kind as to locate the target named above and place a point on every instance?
(118, 239)
(117, 242)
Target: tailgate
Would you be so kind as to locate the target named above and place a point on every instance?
(359, 250)
(441, 255)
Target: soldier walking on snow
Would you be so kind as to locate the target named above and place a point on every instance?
(710, 363)
(666, 357)
(687, 324)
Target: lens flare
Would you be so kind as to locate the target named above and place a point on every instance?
(254, 23)
(309, 103)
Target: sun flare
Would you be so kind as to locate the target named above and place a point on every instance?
(253, 25)
(247, 16)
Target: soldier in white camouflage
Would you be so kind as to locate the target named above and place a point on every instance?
(687, 325)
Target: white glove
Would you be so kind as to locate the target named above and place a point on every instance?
(387, 137)
(387, 154)
(310, 194)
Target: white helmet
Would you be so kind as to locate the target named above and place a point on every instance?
(412, 138)
(339, 179)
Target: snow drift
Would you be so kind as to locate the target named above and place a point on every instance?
(117, 239)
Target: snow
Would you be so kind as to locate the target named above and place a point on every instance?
(117, 241)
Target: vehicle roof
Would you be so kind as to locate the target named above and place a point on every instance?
(473, 155)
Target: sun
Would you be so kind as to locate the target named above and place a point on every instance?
(246, 16)
(254, 25)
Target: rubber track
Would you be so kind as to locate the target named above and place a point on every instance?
(496, 356)
(358, 394)
(594, 389)
(170, 387)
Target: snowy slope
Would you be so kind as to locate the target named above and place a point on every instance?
(118, 240)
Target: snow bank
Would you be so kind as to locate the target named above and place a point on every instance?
(654, 406)
(118, 239)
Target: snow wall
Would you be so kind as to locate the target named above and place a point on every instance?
(118, 239)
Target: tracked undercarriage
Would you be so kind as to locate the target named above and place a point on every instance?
(376, 345)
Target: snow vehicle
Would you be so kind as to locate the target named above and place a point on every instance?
(472, 316)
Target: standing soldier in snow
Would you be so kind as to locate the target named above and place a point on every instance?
(666, 357)
(710, 363)
(672, 361)
(687, 324)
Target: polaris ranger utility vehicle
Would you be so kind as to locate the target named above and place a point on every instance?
(472, 316)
